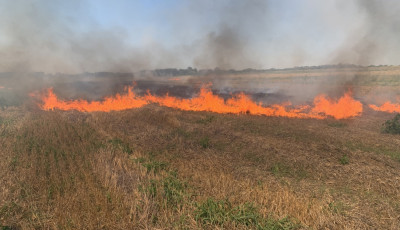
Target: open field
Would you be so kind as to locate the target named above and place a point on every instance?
(156, 167)
(160, 168)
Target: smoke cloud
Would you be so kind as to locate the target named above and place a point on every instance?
(66, 36)
(375, 41)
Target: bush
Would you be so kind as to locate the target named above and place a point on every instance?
(392, 126)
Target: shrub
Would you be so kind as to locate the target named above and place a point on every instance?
(392, 126)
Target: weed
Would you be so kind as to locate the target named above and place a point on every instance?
(337, 207)
(13, 162)
(246, 214)
(50, 192)
(174, 190)
(215, 212)
(221, 212)
(392, 126)
(7, 209)
(108, 197)
(344, 160)
(279, 169)
(205, 142)
(152, 188)
(155, 166)
(151, 165)
(140, 160)
(282, 224)
(7, 228)
(118, 143)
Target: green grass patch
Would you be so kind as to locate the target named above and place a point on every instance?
(222, 212)
(174, 190)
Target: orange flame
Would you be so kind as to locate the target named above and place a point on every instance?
(387, 107)
(345, 107)
(118, 102)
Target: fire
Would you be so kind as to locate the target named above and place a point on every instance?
(118, 102)
(238, 104)
(345, 107)
(2, 87)
(387, 107)
(241, 103)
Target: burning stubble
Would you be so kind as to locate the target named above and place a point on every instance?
(323, 107)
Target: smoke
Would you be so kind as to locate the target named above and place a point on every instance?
(64, 36)
(240, 27)
(69, 37)
(375, 40)
(223, 49)
(47, 36)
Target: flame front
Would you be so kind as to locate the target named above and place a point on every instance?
(345, 107)
(241, 103)
(387, 107)
(118, 102)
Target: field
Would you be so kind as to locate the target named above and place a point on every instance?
(161, 168)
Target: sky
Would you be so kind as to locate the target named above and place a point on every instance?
(120, 35)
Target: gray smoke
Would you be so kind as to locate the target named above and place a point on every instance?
(48, 36)
(376, 40)
(38, 35)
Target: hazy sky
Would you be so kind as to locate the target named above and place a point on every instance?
(96, 35)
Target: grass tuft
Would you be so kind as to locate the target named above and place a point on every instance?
(174, 190)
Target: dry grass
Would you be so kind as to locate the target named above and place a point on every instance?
(156, 168)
